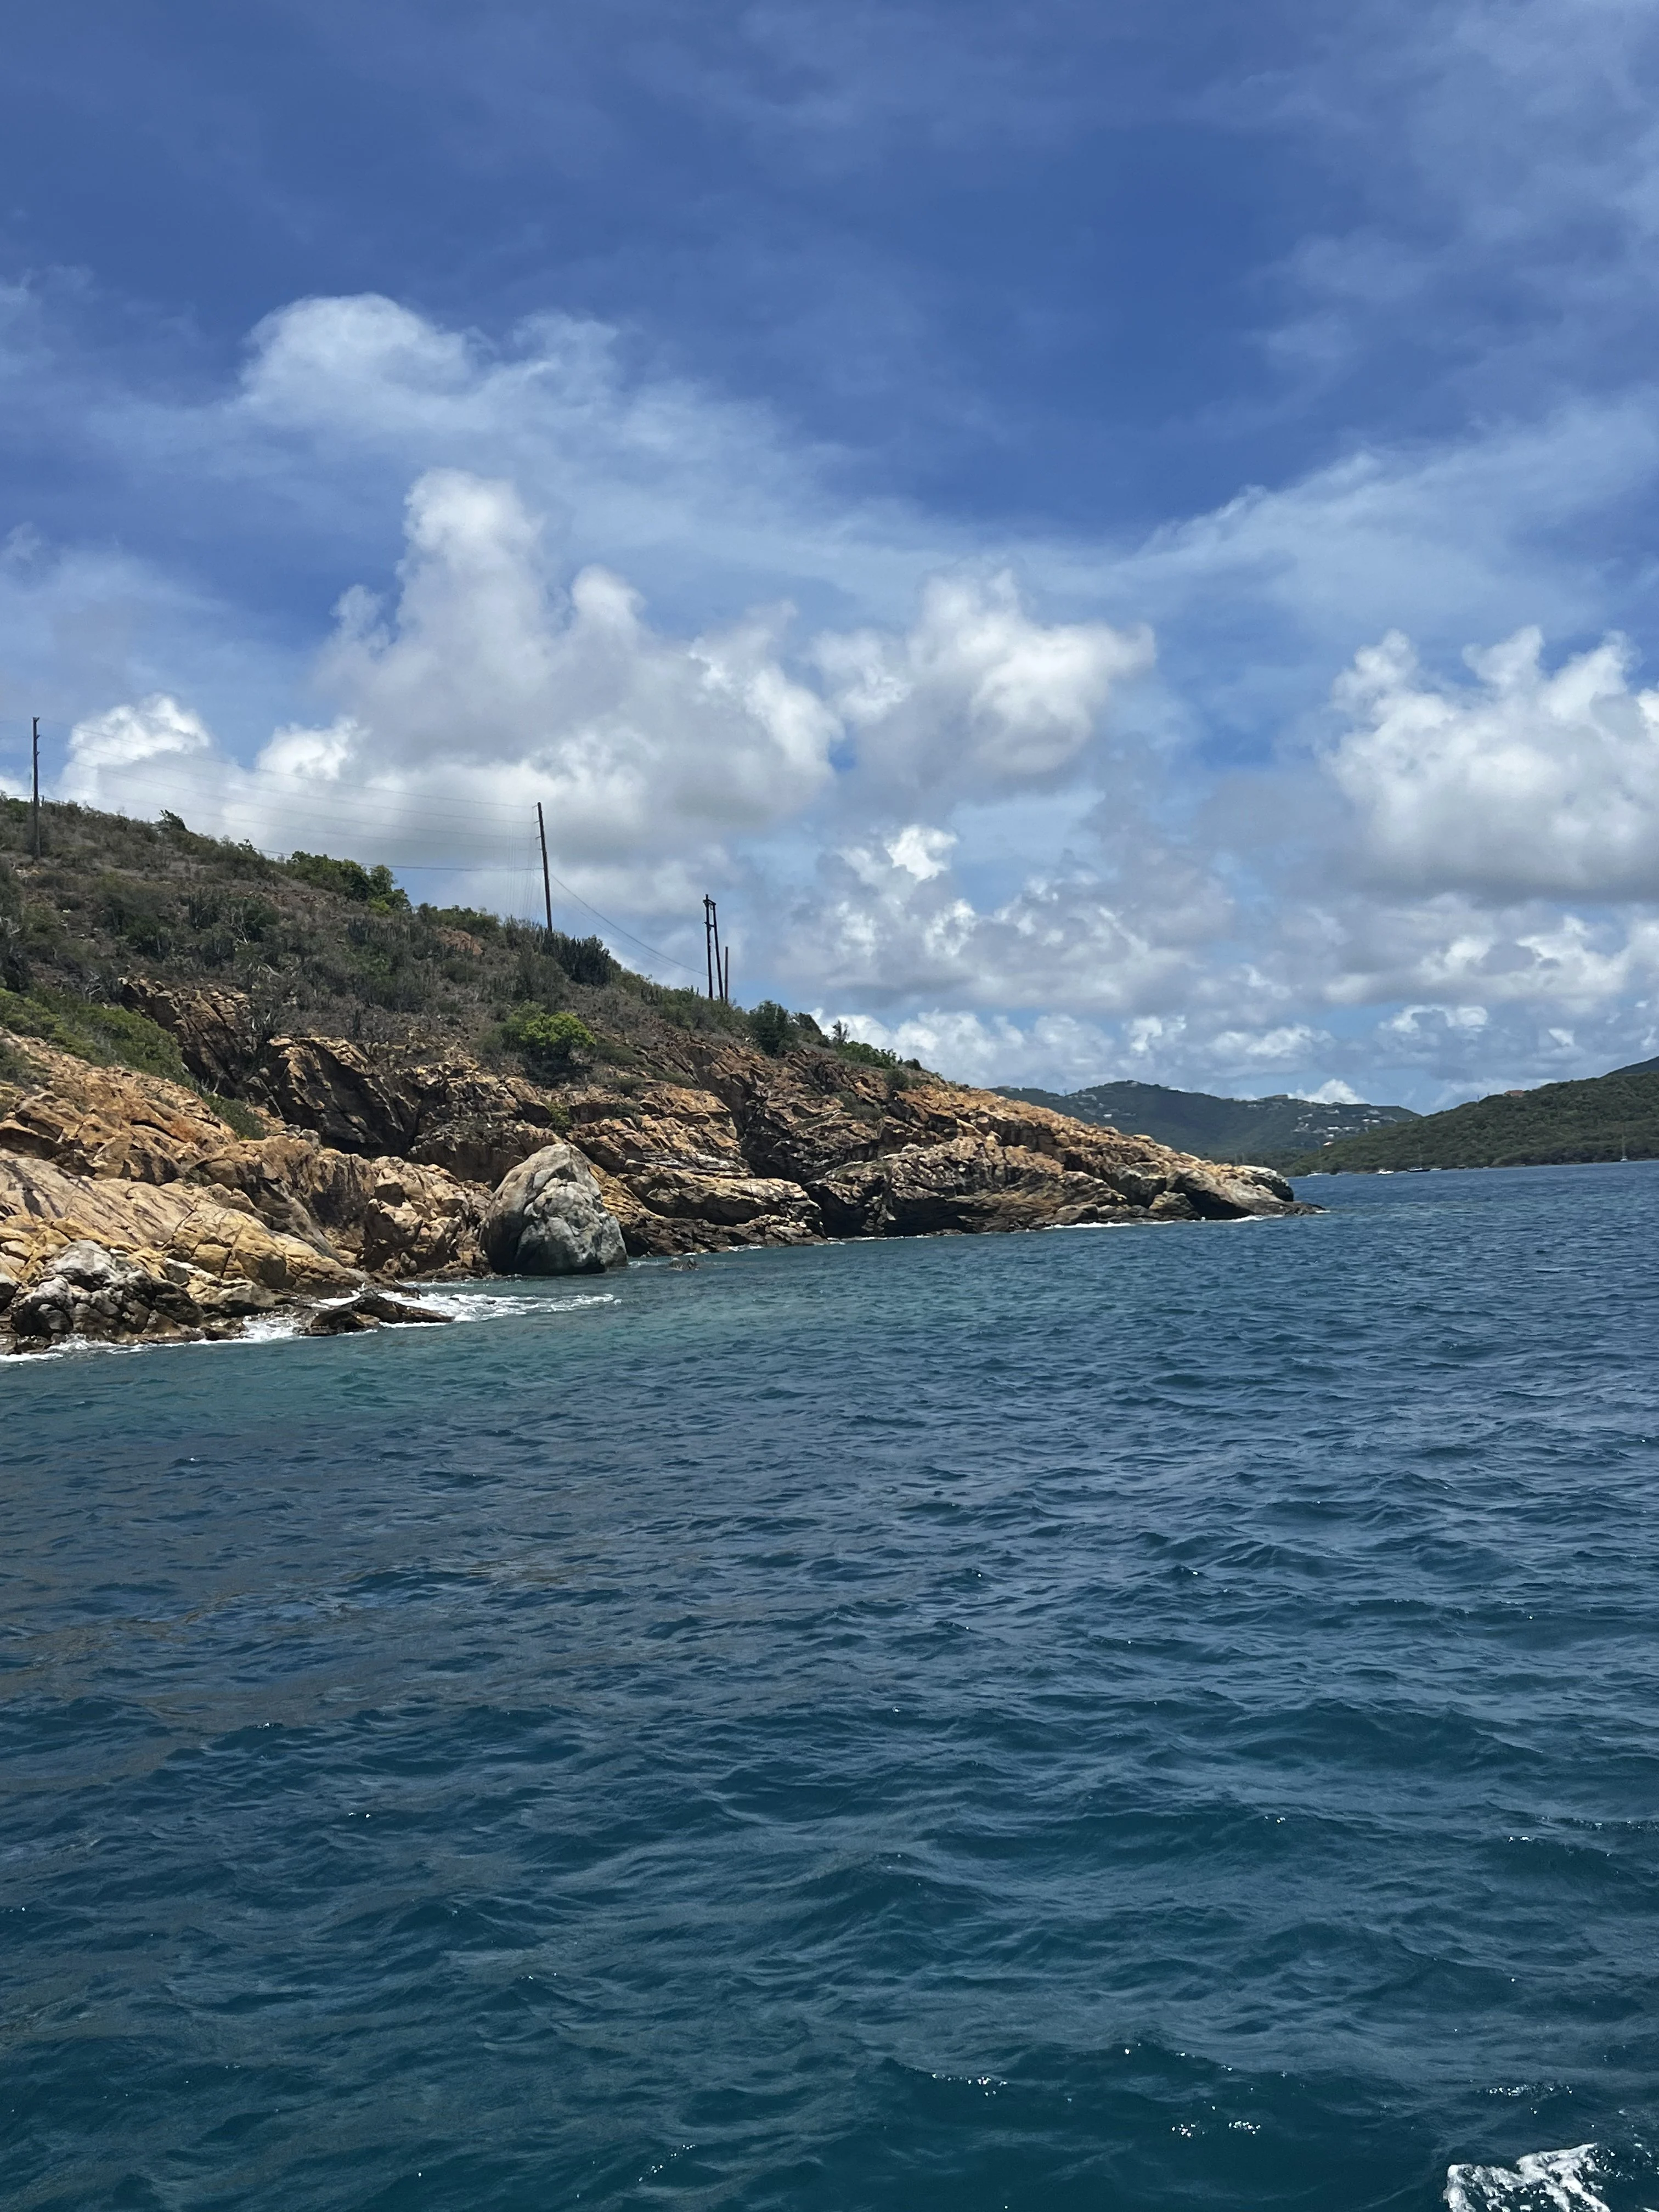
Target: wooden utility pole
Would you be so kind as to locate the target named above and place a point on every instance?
(37, 787)
(547, 882)
(719, 971)
(708, 940)
(725, 980)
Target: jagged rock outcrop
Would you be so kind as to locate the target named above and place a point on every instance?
(403, 1163)
(217, 1032)
(370, 1309)
(446, 1112)
(744, 1150)
(549, 1218)
(83, 1290)
(674, 1174)
(390, 1216)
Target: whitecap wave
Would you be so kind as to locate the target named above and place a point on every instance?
(1542, 2181)
(505, 1305)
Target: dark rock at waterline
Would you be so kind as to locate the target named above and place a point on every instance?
(370, 1309)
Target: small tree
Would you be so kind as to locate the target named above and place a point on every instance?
(550, 1043)
(770, 1026)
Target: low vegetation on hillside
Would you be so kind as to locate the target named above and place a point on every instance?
(1605, 1117)
(322, 944)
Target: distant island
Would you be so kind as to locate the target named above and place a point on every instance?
(1272, 1132)
(1601, 1117)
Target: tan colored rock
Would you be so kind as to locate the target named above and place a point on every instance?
(106, 1121)
(675, 1175)
(421, 1221)
(386, 1161)
(666, 1125)
(43, 1209)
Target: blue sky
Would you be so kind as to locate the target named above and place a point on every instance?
(1116, 541)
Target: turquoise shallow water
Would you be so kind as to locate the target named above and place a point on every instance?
(1147, 1718)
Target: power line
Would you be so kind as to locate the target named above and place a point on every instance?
(621, 932)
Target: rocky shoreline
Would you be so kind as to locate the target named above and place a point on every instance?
(129, 1211)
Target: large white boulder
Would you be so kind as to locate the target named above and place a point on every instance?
(548, 1217)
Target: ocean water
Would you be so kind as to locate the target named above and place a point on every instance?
(1140, 1717)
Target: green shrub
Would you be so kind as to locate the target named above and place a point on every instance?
(471, 919)
(348, 879)
(93, 1032)
(548, 1043)
(235, 1115)
(866, 1055)
(138, 914)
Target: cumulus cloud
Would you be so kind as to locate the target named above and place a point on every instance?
(1531, 784)
(934, 787)
(976, 694)
(489, 686)
(157, 729)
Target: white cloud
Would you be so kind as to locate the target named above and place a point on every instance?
(489, 687)
(921, 852)
(131, 737)
(977, 694)
(1534, 784)
(934, 789)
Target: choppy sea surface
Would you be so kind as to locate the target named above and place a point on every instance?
(1141, 1717)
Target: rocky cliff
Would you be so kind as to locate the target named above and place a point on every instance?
(384, 1165)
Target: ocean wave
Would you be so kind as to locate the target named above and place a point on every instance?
(1542, 2181)
(471, 1305)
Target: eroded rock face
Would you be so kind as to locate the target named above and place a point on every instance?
(43, 1209)
(392, 1217)
(217, 1034)
(84, 1290)
(745, 1149)
(549, 1218)
(331, 1086)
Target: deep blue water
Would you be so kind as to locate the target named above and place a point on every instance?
(1147, 1718)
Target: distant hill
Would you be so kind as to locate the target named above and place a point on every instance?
(1604, 1117)
(1268, 1131)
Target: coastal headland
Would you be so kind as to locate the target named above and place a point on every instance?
(180, 1155)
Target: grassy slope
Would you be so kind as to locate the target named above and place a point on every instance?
(1269, 1130)
(312, 945)
(1603, 1118)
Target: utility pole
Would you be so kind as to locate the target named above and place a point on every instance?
(719, 972)
(725, 980)
(37, 787)
(708, 940)
(547, 886)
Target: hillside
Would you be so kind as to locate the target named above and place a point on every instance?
(1603, 1117)
(312, 942)
(1269, 1130)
